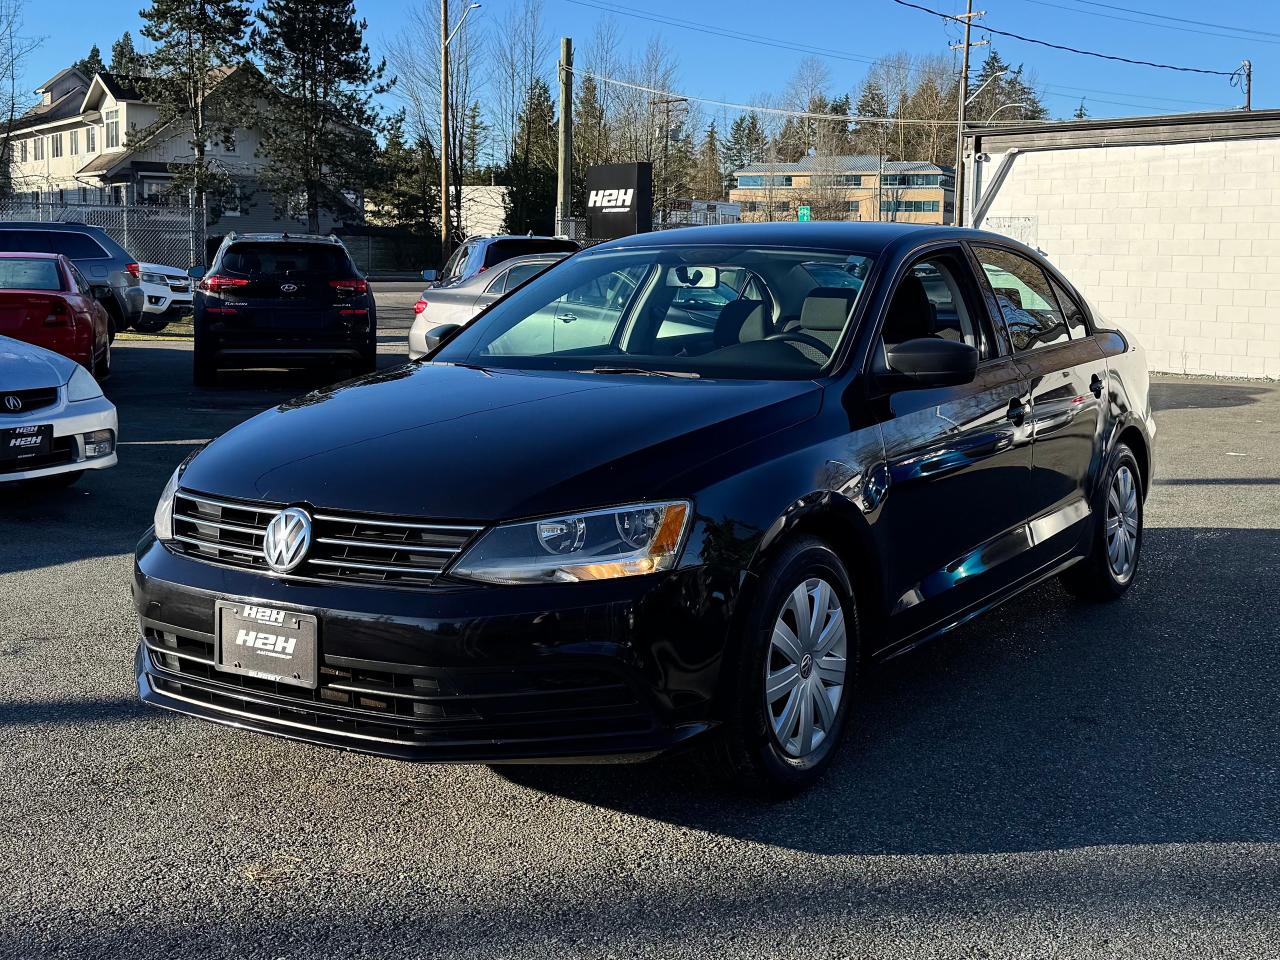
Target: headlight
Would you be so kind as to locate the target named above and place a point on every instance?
(164, 509)
(82, 386)
(599, 545)
(155, 278)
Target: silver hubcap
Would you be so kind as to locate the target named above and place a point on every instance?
(805, 674)
(1122, 524)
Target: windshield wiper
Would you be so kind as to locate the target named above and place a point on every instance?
(642, 371)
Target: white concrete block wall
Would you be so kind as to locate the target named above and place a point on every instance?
(1179, 243)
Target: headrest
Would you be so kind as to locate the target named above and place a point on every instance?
(827, 308)
(740, 321)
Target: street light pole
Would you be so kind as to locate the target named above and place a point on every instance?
(444, 132)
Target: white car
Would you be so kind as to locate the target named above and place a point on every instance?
(54, 421)
(166, 296)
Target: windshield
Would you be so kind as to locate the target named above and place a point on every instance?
(713, 311)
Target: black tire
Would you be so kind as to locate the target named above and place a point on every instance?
(146, 324)
(368, 362)
(1096, 577)
(204, 372)
(102, 368)
(747, 748)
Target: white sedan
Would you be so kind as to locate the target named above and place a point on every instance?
(54, 421)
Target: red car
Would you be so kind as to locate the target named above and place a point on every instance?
(45, 300)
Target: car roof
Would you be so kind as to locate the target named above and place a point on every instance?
(284, 238)
(54, 225)
(11, 254)
(870, 237)
(517, 236)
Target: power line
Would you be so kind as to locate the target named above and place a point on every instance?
(829, 53)
(1148, 23)
(1198, 23)
(1076, 50)
(782, 111)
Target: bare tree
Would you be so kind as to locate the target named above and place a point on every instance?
(15, 47)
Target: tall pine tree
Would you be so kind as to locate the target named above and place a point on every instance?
(125, 58)
(91, 64)
(317, 115)
(531, 168)
(198, 44)
(746, 143)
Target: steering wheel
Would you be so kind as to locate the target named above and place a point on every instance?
(800, 337)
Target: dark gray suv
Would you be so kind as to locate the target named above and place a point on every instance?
(103, 261)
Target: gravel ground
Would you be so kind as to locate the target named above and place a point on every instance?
(1056, 780)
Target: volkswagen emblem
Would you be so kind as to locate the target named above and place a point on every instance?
(288, 288)
(287, 539)
(13, 403)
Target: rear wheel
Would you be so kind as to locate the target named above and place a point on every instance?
(1116, 544)
(102, 367)
(146, 324)
(795, 677)
(204, 372)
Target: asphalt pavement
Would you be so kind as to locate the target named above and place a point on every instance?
(1055, 780)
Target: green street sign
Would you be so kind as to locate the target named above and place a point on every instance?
(802, 214)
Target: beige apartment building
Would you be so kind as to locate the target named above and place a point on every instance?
(852, 188)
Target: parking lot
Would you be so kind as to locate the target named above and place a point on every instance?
(1055, 779)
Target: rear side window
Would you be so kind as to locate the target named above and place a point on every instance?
(522, 272)
(25, 241)
(277, 260)
(1076, 322)
(501, 250)
(77, 246)
(1026, 300)
(18, 274)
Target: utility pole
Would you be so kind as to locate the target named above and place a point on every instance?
(667, 103)
(444, 131)
(967, 17)
(1247, 67)
(564, 180)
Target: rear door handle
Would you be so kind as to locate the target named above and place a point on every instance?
(1096, 386)
(1017, 411)
(567, 318)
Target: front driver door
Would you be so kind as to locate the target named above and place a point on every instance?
(959, 458)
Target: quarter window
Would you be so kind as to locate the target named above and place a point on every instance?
(1076, 323)
(1026, 300)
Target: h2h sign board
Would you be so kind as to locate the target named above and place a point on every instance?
(619, 200)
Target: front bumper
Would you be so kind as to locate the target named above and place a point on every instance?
(592, 671)
(71, 421)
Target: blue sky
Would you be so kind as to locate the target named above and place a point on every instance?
(855, 30)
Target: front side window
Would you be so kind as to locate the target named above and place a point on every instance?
(1026, 300)
(712, 311)
(518, 275)
(936, 299)
(76, 246)
(111, 123)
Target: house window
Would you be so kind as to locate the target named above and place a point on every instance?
(91, 140)
(909, 206)
(851, 206)
(761, 181)
(229, 143)
(22, 151)
(231, 202)
(55, 145)
(111, 122)
(153, 193)
(74, 137)
(849, 180)
(37, 146)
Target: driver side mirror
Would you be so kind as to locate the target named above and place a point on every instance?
(196, 273)
(931, 362)
(431, 276)
(438, 335)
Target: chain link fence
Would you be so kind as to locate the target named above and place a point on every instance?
(151, 233)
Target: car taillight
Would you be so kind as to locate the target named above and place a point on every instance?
(216, 283)
(350, 286)
(133, 270)
(419, 307)
(58, 316)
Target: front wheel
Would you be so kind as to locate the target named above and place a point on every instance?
(1109, 568)
(795, 675)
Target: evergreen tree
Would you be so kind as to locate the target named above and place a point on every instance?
(406, 189)
(870, 137)
(1081, 113)
(530, 172)
(91, 64)
(590, 138)
(317, 116)
(125, 59)
(746, 144)
(475, 134)
(1009, 93)
(198, 44)
(708, 179)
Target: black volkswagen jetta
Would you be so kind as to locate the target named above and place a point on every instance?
(599, 523)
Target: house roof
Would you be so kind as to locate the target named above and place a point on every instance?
(121, 86)
(65, 107)
(58, 76)
(860, 163)
(104, 162)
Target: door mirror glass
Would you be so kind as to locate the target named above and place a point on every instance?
(931, 362)
(438, 335)
(431, 276)
(196, 273)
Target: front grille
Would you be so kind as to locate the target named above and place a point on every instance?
(28, 400)
(415, 705)
(344, 547)
(179, 286)
(64, 451)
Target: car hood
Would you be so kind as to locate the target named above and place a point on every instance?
(458, 443)
(161, 268)
(24, 366)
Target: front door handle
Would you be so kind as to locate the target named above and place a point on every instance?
(567, 318)
(1017, 411)
(1096, 386)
